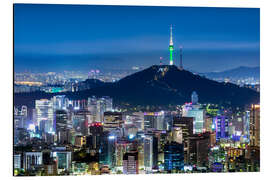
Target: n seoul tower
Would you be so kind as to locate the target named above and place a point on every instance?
(171, 47)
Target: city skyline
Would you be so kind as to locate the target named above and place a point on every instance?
(81, 42)
(153, 111)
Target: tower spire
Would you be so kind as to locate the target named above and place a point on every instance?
(171, 36)
(171, 46)
(181, 58)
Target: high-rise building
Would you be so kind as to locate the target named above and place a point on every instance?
(121, 147)
(246, 124)
(101, 108)
(173, 157)
(92, 107)
(81, 121)
(177, 135)
(208, 123)
(17, 158)
(136, 118)
(32, 160)
(130, 163)
(154, 120)
(112, 120)
(20, 118)
(221, 124)
(255, 125)
(95, 137)
(198, 123)
(199, 147)
(63, 160)
(97, 107)
(44, 115)
(150, 151)
(186, 125)
(62, 126)
(108, 103)
(107, 149)
(59, 102)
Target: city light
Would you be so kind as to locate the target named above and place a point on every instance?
(111, 137)
(112, 106)
(31, 127)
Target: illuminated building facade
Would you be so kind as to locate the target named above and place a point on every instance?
(173, 157)
(121, 147)
(20, 117)
(95, 137)
(32, 160)
(130, 163)
(221, 124)
(63, 160)
(112, 120)
(81, 121)
(154, 120)
(255, 125)
(198, 123)
(17, 158)
(150, 151)
(59, 102)
(44, 113)
(246, 124)
(62, 126)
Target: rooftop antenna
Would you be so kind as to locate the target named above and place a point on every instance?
(181, 58)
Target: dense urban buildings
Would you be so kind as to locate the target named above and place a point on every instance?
(64, 137)
(142, 120)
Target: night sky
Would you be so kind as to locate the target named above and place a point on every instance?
(83, 37)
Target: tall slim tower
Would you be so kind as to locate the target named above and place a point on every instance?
(171, 47)
(181, 58)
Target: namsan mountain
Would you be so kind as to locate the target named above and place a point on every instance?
(164, 85)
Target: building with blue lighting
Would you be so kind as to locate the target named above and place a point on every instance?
(221, 124)
(173, 157)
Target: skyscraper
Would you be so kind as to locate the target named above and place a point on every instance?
(62, 126)
(112, 120)
(81, 120)
(171, 47)
(255, 125)
(173, 157)
(199, 147)
(198, 123)
(59, 102)
(44, 109)
(148, 152)
(154, 120)
(221, 124)
(130, 163)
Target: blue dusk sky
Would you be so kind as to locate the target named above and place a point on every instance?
(83, 37)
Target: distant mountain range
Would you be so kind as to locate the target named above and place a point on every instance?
(240, 72)
(160, 85)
